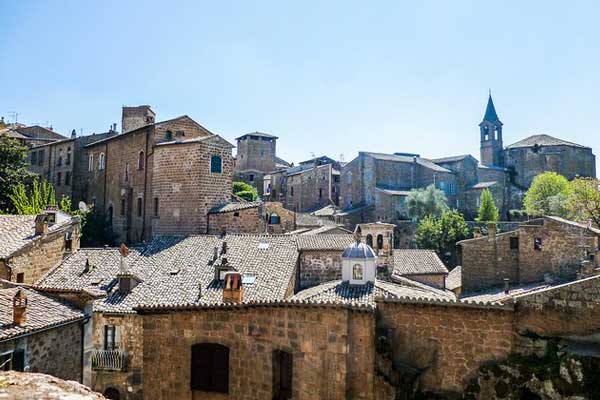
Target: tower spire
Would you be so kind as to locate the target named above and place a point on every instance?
(490, 110)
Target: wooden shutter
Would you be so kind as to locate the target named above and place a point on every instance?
(220, 378)
(18, 360)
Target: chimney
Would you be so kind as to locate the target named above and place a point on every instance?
(73, 134)
(506, 286)
(477, 232)
(124, 250)
(19, 307)
(215, 253)
(491, 226)
(233, 291)
(224, 248)
(41, 224)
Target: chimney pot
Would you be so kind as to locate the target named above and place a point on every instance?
(506, 286)
(20, 307)
(224, 248)
(233, 291)
(41, 224)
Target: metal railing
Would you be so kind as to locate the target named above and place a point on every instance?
(108, 360)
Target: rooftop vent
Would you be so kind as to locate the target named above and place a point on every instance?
(263, 245)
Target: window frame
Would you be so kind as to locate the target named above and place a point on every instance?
(91, 162)
(514, 243)
(213, 169)
(360, 269)
(110, 331)
(101, 162)
(141, 164)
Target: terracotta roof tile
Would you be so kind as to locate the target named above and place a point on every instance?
(416, 262)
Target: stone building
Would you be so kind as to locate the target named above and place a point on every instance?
(64, 164)
(158, 177)
(40, 333)
(256, 157)
(236, 218)
(305, 316)
(549, 248)
(31, 136)
(31, 245)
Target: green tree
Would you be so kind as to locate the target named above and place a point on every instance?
(13, 171)
(488, 212)
(442, 233)
(424, 202)
(547, 195)
(245, 191)
(96, 229)
(34, 200)
(583, 202)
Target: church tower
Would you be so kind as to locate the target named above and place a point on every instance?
(491, 137)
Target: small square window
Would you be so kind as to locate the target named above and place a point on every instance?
(21, 277)
(514, 243)
(537, 244)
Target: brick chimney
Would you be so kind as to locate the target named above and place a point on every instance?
(491, 226)
(233, 291)
(41, 224)
(19, 307)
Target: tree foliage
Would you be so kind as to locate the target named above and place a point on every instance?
(245, 191)
(488, 212)
(583, 202)
(426, 202)
(96, 229)
(547, 195)
(32, 201)
(442, 233)
(13, 171)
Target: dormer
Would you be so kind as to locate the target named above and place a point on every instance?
(359, 263)
(233, 290)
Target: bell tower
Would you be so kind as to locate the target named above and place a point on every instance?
(491, 137)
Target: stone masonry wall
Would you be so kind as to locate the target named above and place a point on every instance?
(242, 221)
(448, 343)
(55, 352)
(320, 340)
(318, 267)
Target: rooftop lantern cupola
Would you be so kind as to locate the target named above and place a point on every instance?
(359, 263)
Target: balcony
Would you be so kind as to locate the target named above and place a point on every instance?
(108, 360)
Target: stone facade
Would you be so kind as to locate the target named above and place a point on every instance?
(246, 220)
(318, 267)
(256, 157)
(285, 221)
(55, 352)
(537, 250)
(312, 188)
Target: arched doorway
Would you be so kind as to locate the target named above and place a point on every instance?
(112, 393)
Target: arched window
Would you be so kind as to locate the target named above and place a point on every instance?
(68, 155)
(141, 160)
(112, 394)
(379, 241)
(370, 240)
(126, 172)
(210, 368)
(216, 164)
(169, 136)
(91, 162)
(357, 272)
(101, 162)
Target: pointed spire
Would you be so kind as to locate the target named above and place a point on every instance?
(490, 110)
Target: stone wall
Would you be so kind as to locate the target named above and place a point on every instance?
(130, 339)
(435, 280)
(310, 189)
(256, 153)
(39, 256)
(242, 221)
(447, 343)
(318, 267)
(287, 218)
(332, 351)
(55, 352)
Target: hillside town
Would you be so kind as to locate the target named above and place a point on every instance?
(147, 273)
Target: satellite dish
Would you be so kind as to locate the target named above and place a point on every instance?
(83, 207)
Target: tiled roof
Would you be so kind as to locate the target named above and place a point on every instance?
(305, 219)
(280, 162)
(407, 159)
(17, 231)
(452, 159)
(543, 140)
(259, 134)
(339, 292)
(393, 192)
(325, 230)
(417, 262)
(454, 278)
(43, 311)
(497, 295)
(175, 270)
(573, 223)
(230, 207)
(324, 242)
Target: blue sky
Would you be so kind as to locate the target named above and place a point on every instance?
(327, 77)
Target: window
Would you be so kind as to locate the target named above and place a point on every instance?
(68, 241)
(379, 241)
(370, 240)
(41, 155)
(140, 203)
(156, 206)
(101, 162)
(251, 178)
(68, 156)
(141, 160)
(91, 162)
(68, 178)
(274, 219)
(18, 360)
(33, 157)
(320, 193)
(58, 178)
(123, 205)
(109, 215)
(126, 172)
(210, 368)
(216, 164)
(6, 361)
(109, 337)
(514, 243)
(349, 178)
(292, 191)
(169, 136)
(357, 272)
(282, 375)
(60, 157)
(21, 277)
(537, 244)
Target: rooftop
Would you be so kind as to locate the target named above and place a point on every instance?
(43, 311)
(454, 278)
(417, 262)
(406, 159)
(259, 134)
(452, 159)
(543, 140)
(236, 206)
(324, 242)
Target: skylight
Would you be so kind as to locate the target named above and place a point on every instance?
(248, 279)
